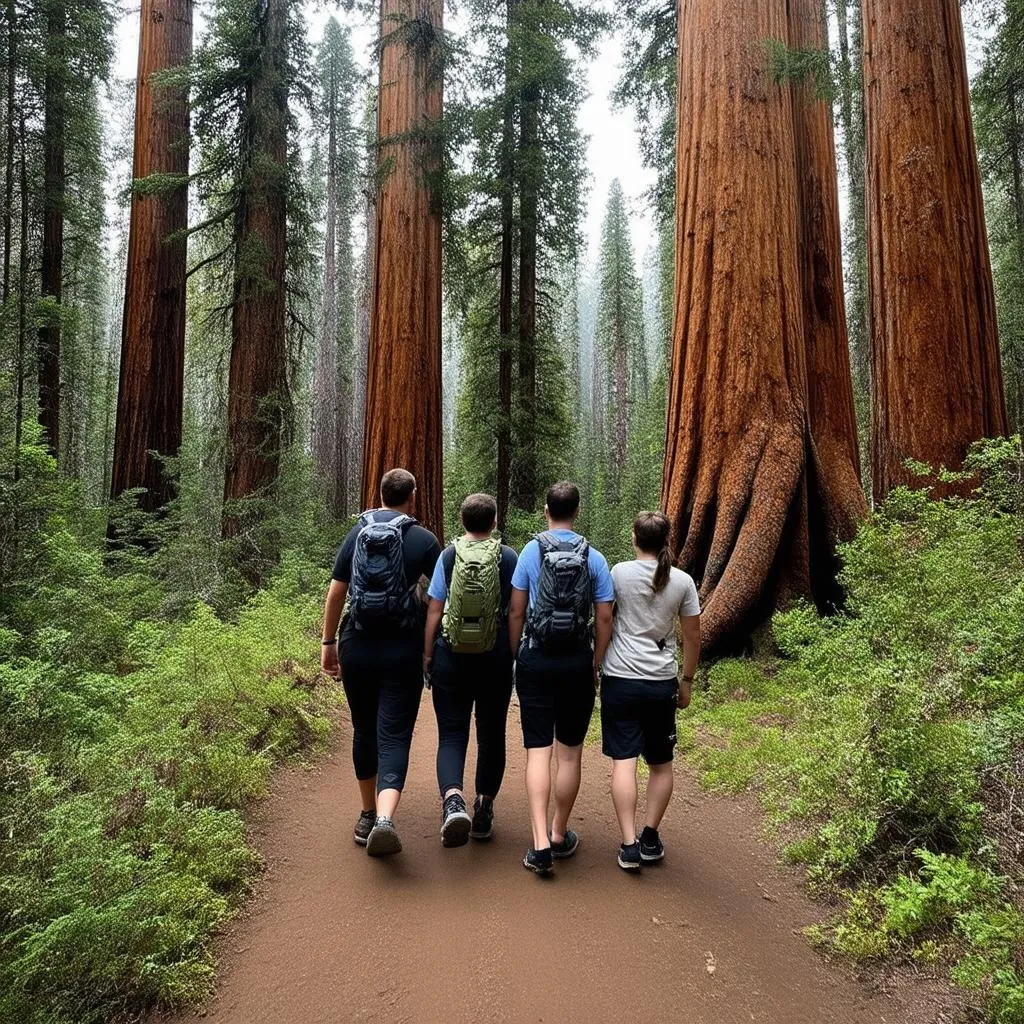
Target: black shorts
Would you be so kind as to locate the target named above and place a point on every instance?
(556, 697)
(638, 716)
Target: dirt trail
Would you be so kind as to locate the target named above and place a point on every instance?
(467, 936)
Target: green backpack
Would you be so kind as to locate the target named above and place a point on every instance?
(470, 623)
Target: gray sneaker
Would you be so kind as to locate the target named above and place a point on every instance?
(364, 826)
(383, 839)
(455, 822)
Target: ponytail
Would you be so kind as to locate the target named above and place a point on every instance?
(651, 531)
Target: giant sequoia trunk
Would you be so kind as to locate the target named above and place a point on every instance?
(735, 480)
(54, 190)
(149, 398)
(936, 376)
(403, 400)
(256, 383)
(837, 501)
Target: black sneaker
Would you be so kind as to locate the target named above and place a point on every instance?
(364, 826)
(483, 818)
(539, 861)
(567, 847)
(651, 846)
(629, 857)
(383, 839)
(455, 822)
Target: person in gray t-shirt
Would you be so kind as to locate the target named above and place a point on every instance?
(640, 684)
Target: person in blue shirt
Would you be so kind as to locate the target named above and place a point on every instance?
(461, 681)
(556, 675)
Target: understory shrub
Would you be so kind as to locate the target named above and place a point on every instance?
(876, 738)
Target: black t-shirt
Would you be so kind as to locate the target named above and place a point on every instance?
(420, 548)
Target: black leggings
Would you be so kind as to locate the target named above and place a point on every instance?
(459, 682)
(383, 688)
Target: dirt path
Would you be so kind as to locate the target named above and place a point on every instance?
(467, 936)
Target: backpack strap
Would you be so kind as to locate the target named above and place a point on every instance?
(448, 565)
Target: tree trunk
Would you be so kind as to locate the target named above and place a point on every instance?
(525, 496)
(403, 399)
(257, 375)
(363, 318)
(23, 241)
(936, 381)
(54, 186)
(12, 82)
(734, 483)
(505, 287)
(149, 398)
(837, 499)
(326, 450)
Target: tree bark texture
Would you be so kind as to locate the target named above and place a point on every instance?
(54, 189)
(257, 375)
(403, 401)
(837, 498)
(12, 84)
(149, 398)
(936, 375)
(735, 482)
(505, 354)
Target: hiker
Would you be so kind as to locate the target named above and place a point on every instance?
(468, 663)
(559, 581)
(379, 567)
(641, 684)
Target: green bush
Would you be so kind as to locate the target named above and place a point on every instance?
(869, 733)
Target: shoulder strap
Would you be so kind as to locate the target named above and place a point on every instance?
(448, 564)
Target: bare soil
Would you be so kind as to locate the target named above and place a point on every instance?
(467, 936)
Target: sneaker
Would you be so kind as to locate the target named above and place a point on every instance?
(383, 839)
(651, 846)
(455, 822)
(483, 818)
(629, 857)
(567, 847)
(539, 861)
(364, 826)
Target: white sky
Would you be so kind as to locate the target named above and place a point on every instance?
(613, 150)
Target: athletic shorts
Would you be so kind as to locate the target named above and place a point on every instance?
(556, 696)
(638, 716)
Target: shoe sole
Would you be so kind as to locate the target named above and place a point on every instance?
(651, 858)
(481, 836)
(383, 843)
(566, 854)
(536, 870)
(456, 830)
(360, 840)
(628, 865)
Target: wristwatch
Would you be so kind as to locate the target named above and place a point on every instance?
(329, 643)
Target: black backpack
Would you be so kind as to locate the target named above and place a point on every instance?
(560, 616)
(379, 591)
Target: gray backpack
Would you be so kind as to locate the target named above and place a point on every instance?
(379, 592)
(560, 616)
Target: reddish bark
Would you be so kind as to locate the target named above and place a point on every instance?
(936, 380)
(735, 482)
(54, 188)
(505, 288)
(837, 498)
(149, 398)
(403, 401)
(256, 383)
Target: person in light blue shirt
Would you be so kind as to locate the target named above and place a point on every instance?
(560, 624)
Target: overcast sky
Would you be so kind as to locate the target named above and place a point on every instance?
(613, 149)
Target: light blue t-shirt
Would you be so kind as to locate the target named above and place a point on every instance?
(527, 574)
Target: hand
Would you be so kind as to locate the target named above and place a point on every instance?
(597, 677)
(329, 664)
(428, 661)
(685, 694)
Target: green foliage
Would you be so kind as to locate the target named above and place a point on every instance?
(870, 735)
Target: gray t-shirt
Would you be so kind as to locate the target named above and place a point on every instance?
(645, 620)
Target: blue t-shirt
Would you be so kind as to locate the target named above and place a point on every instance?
(527, 574)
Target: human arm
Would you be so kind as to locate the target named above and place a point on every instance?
(602, 634)
(690, 626)
(435, 610)
(517, 617)
(333, 608)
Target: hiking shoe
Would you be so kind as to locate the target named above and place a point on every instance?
(651, 846)
(455, 822)
(364, 826)
(483, 818)
(629, 857)
(539, 861)
(567, 847)
(383, 839)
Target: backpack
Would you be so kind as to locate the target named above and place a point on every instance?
(560, 617)
(379, 592)
(470, 623)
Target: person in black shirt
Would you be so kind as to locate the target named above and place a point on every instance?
(381, 669)
(461, 680)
